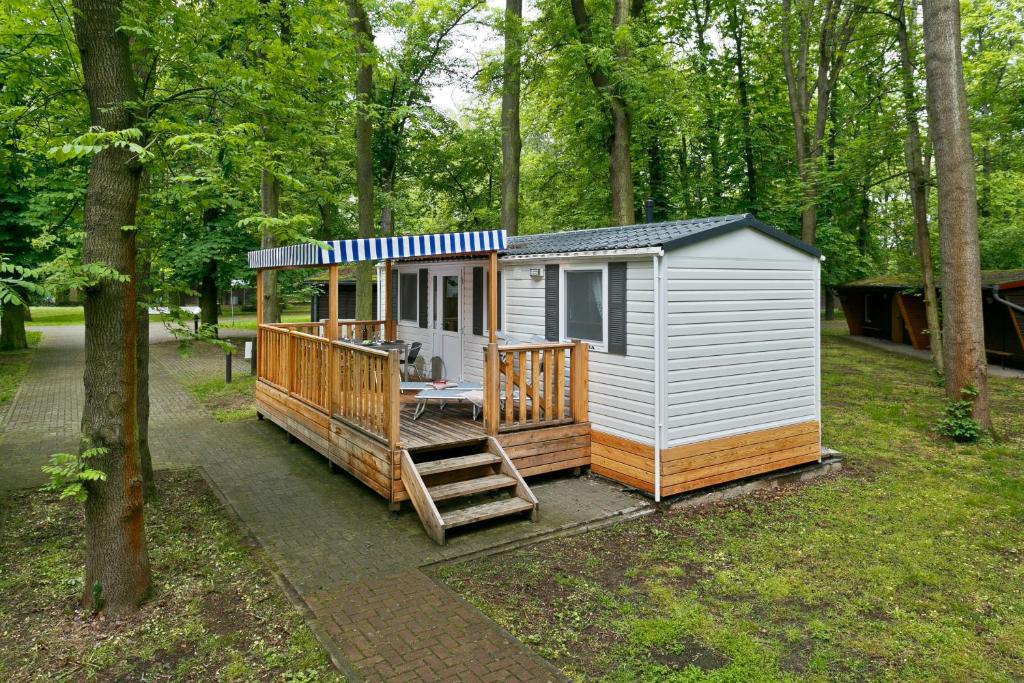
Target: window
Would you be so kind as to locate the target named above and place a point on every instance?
(407, 297)
(584, 305)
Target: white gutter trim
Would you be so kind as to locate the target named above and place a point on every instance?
(659, 375)
(581, 254)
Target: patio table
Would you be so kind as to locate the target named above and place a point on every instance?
(457, 394)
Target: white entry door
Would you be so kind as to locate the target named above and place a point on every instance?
(447, 288)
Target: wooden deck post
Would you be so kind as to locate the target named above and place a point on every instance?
(492, 390)
(393, 401)
(579, 387)
(492, 299)
(259, 321)
(332, 335)
(389, 332)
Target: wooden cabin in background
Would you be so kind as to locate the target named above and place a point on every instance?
(891, 307)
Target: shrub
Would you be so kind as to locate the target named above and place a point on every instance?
(958, 422)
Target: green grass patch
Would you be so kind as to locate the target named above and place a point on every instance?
(57, 315)
(14, 365)
(227, 402)
(247, 321)
(221, 618)
(905, 566)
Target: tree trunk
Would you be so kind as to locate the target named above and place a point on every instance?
(117, 576)
(270, 201)
(12, 327)
(208, 296)
(142, 379)
(364, 152)
(917, 175)
(619, 166)
(736, 30)
(511, 142)
(963, 329)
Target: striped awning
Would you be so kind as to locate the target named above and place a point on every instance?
(378, 248)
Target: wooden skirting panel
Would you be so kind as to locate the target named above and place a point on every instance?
(365, 458)
(548, 449)
(623, 460)
(706, 463)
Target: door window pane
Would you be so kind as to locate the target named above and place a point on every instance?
(450, 303)
(407, 289)
(584, 305)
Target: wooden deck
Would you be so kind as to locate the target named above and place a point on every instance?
(437, 427)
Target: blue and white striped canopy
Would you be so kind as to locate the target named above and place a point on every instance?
(378, 248)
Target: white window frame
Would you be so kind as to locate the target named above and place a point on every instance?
(402, 320)
(563, 300)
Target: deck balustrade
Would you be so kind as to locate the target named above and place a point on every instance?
(526, 386)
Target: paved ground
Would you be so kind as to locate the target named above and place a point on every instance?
(903, 349)
(355, 567)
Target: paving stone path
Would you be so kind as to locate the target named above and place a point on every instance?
(355, 567)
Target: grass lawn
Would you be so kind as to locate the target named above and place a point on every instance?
(908, 565)
(247, 321)
(13, 366)
(216, 612)
(227, 402)
(75, 315)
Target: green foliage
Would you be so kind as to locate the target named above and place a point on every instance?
(95, 141)
(958, 421)
(70, 473)
(16, 283)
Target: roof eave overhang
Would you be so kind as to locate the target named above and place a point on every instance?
(743, 222)
(639, 251)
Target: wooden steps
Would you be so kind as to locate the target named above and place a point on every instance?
(457, 463)
(463, 485)
(469, 487)
(478, 513)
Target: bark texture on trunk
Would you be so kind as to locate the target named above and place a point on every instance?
(117, 576)
(917, 175)
(12, 327)
(963, 329)
(511, 141)
(142, 378)
(620, 118)
(270, 202)
(364, 152)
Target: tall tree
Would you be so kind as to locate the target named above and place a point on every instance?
(117, 575)
(963, 329)
(511, 142)
(619, 163)
(835, 23)
(917, 174)
(364, 151)
(736, 12)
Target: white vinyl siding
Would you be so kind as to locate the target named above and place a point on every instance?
(621, 387)
(741, 337)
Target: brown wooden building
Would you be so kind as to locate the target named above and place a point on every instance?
(891, 307)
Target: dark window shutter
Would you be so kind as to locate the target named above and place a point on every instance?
(617, 308)
(551, 302)
(501, 301)
(478, 301)
(394, 295)
(423, 297)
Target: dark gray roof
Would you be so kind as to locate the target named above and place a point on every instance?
(669, 235)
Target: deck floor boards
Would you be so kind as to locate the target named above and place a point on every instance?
(437, 427)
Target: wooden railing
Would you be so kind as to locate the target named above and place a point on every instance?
(358, 330)
(308, 362)
(366, 389)
(534, 385)
(273, 356)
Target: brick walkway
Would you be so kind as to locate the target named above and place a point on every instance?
(354, 566)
